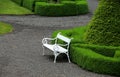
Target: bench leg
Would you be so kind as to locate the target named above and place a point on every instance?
(55, 58)
(55, 54)
(68, 57)
(43, 50)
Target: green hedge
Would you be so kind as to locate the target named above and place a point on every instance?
(48, 9)
(90, 60)
(82, 7)
(117, 54)
(65, 8)
(103, 50)
(30, 4)
(20, 2)
(69, 8)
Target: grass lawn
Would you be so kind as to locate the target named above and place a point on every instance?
(5, 28)
(9, 7)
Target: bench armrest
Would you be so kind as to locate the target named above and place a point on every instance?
(45, 40)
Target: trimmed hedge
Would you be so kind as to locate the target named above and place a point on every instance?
(103, 50)
(65, 8)
(117, 54)
(90, 60)
(20, 2)
(69, 8)
(104, 28)
(48, 9)
(82, 7)
(30, 4)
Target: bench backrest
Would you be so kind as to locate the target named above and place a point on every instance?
(65, 39)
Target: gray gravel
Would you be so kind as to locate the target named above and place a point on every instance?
(21, 51)
(35, 20)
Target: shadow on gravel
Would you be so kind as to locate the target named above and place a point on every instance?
(62, 58)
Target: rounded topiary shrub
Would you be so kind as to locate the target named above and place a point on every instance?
(65, 8)
(104, 28)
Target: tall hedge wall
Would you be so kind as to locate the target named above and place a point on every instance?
(104, 27)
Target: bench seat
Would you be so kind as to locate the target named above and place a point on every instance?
(59, 48)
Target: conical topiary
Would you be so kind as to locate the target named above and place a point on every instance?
(104, 28)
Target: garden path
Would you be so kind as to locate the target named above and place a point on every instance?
(21, 50)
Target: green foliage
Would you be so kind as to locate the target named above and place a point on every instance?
(69, 8)
(18, 1)
(92, 57)
(48, 9)
(5, 28)
(82, 7)
(117, 54)
(9, 7)
(30, 4)
(76, 33)
(103, 50)
(65, 8)
(90, 60)
(104, 28)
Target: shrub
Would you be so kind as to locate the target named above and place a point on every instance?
(103, 50)
(117, 54)
(20, 2)
(82, 7)
(30, 4)
(90, 60)
(48, 9)
(65, 8)
(69, 8)
(104, 28)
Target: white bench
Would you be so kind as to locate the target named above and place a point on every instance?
(57, 48)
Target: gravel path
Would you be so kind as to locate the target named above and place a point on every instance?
(34, 20)
(21, 51)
